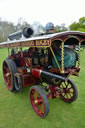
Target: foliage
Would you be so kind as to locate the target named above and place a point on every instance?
(21, 24)
(16, 110)
(60, 28)
(7, 27)
(78, 26)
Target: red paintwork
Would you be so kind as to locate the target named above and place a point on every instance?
(28, 80)
(74, 71)
(54, 92)
(37, 102)
(22, 62)
(8, 80)
(68, 91)
(36, 72)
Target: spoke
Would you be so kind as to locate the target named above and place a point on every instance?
(61, 86)
(41, 108)
(61, 90)
(36, 106)
(64, 94)
(70, 92)
(66, 84)
(5, 76)
(36, 95)
(8, 74)
(40, 100)
(67, 95)
(5, 67)
(70, 88)
(9, 81)
(70, 95)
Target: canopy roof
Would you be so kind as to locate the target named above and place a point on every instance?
(69, 37)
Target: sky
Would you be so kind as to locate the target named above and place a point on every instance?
(43, 11)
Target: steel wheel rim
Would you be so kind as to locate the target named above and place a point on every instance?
(67, 90)
(7, 76)
(37, 102)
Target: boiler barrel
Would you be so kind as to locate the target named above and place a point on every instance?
(47, 76)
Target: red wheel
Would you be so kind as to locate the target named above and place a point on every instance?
(69, 91)
(39, 101)
(9, 68)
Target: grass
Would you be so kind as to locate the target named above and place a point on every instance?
(16, 110)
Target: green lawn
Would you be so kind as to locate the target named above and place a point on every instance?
(16, 110)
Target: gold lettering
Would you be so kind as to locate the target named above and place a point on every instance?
(42, 43)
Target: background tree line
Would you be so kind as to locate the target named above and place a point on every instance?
(8, 27)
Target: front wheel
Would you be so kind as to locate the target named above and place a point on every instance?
(39, 101)
(9, 69)
(69, 91)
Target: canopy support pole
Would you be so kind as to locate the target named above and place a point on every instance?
(55, 58)
(79, 55)
(62, 57)
(21, 52)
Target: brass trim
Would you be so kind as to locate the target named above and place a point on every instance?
(79, 55)
(69, 37)
(62, 56)
(56, 39)
(55, 58)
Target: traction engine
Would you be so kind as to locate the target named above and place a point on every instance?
(44, 63)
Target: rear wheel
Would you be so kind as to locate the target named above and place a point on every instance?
(69, 91)
(39, 101)
(9, 69)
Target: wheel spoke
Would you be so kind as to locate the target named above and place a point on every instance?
(66, 84)
(5, 67)
(64, 94)
(8, 74)
(39, 101)
(42, 108)
(8, 81)
(68, 91)
(70, 88)
(36, 95)
(61, 86)
(69, 95)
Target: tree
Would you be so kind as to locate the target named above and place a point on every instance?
(21, 24)
(78, 26)
(60, 28)
(5, 29)
(74, 26)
